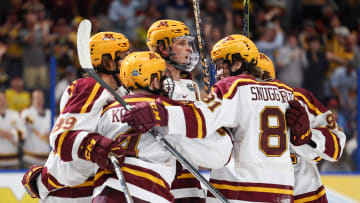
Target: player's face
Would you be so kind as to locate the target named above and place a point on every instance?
(2, 100)
(182, 50)
(38, 98)
(222, 70)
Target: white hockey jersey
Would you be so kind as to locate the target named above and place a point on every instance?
(81, 106)
(11, 122)
(36, 145)
(330, 141)
(263, 170)
(185, 184)
(185, 90)
(151, 170)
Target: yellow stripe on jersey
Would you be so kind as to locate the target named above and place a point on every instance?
(317, 159)
(129, 100)
(85, 184)
(199, 120)
(61, 140)
(186, 175)
(236, 83)
(144, 175)
(336, 145)
(98, 175)
(53, 184)
(90, 98)
(309, 104)
(311, 198)
(136, 173)
(253, 189)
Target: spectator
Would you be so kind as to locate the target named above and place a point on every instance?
(314, 75)
(12, 58)
(38, 122)
(291, 62)
(34, 40)
(338, 54)
(122, 13)
(70, 75)
(177, 10)
(17, 98)
(11, 132)
(63, 47)
(271, 39)
(343, 85)
(308, 32)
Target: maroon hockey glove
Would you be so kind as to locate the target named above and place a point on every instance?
(145, 115)
(96, 148)
(298, 121)
(29, 180)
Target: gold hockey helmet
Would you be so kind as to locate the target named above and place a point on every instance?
(234, 44)
(165, 30)
(111, 43)
(138, 69)
(265, 64)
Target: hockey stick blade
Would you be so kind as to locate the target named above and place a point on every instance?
(83, 49)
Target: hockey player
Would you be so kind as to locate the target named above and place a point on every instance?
(171, 39)
(81, 106)
(255, 110)
(328, 142)
(12, 131)
(37, 121)
(150, 169)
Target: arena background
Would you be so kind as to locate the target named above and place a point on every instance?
(291, 26)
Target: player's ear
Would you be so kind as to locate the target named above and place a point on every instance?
(155, 84)
(164, 52)
(236, 66)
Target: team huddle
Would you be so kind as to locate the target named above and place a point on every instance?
(260, 138)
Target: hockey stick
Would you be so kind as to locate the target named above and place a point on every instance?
(83, 50)
(85, 62)
(202, 47)
(246, 18)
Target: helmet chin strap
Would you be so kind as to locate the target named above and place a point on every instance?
(158, 91)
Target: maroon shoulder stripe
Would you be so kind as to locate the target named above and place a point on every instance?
(80, 94)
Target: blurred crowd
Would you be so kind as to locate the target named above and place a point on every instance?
(313, 43)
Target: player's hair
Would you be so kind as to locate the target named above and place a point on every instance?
(246, 67)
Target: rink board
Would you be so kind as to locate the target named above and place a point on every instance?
(340, 188)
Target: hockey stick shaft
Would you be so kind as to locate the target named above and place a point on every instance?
(121, 177)
(246, 18)
(202, 47)
(85, 61)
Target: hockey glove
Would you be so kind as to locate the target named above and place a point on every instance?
(145, 115)
(96, 148)
(298, 121)
(29, 180)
